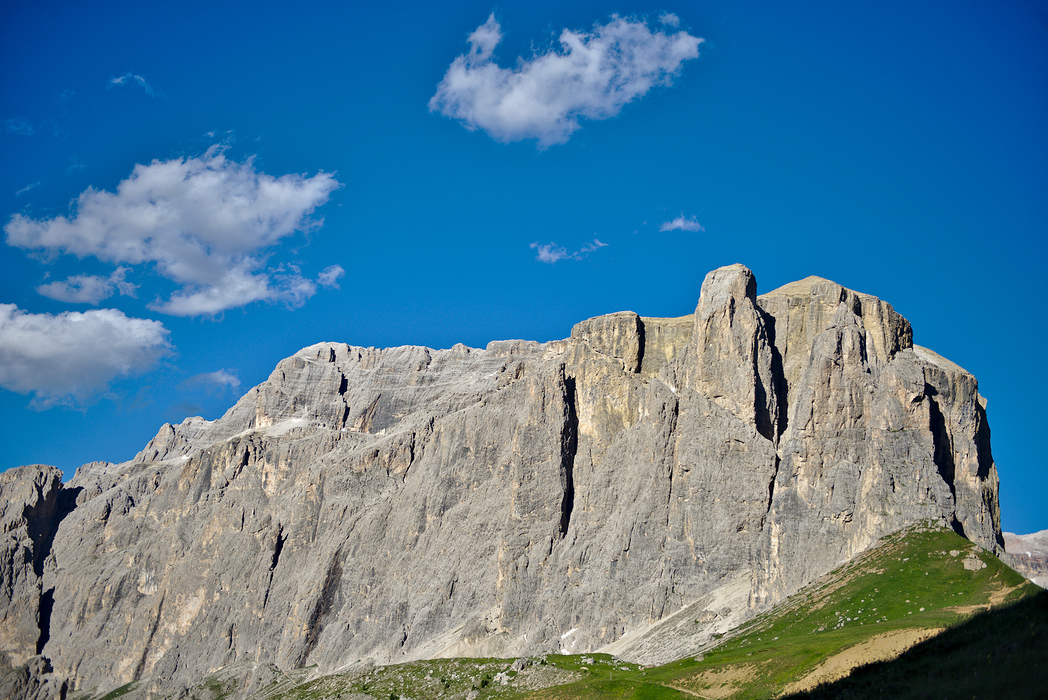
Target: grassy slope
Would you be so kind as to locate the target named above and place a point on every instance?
(911, 581)
(999, 654)
(457, 678)
(914, 580)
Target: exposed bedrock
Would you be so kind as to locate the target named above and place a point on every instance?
(407, 503)
(29, 512)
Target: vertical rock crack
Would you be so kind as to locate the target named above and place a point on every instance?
(569, 444)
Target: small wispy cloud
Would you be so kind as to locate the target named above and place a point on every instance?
(681, 224)
(17, 127)
(669, 19)
(134, 79)
(549, 252)
(329, 276)
(89, 289)
(25, 189)
(543, 98)
(552, 253)
(217, 382)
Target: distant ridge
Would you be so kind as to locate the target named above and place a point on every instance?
(1028, 554)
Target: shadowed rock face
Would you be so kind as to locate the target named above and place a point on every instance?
(407, 503)
(29, 506)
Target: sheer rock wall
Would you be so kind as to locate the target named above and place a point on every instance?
(408, 503)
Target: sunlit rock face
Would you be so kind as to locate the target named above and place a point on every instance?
(407, 503)
(1028, 554)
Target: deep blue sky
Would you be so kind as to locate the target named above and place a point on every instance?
(898, 148)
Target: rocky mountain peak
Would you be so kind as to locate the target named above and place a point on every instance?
(732, 354)
(405, 503)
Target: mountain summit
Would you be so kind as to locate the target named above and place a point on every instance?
(526, 498)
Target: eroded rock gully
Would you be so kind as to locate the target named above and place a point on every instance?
(407, 503)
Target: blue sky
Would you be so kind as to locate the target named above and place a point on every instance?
(191, 193)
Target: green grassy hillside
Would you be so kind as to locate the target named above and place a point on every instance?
(997, 654)
(914, 584)
(984, 624)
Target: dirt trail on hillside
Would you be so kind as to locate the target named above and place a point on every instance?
(883, 647)
(996, 598)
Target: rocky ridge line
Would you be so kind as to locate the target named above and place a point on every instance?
(526, 498)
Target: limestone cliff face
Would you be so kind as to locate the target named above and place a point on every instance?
(29, 503)
(1028, 554)
(879, 431)
(407, 503)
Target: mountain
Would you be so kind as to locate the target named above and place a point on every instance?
(408, 503)
(1028, 554)
(925, 613)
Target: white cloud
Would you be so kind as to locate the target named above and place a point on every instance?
(212, 382)
(205, 223)
(330, 275)
(89, 289)
(65, 359)
(669, 19)
(681, 224)
(236, 287)
(25, 189)
(551, 252)
(131, 78)
(543, 98)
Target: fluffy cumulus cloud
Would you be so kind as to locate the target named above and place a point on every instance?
(552, 253)
(64, 359)
(681, 224)
(206, 223)
(593, 76)
(89, 289)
